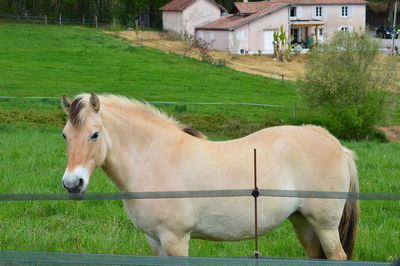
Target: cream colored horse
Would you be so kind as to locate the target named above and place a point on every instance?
(142, 149)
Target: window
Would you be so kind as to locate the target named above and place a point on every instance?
(212, 36)
(201, 35)
(344, 11)
(293, 12)
(318, 11)
(241, 35)
(344, 29)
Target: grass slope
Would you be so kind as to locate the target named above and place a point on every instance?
(38, 60)
(37, 165)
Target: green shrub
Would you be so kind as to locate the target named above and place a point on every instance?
(352, 83)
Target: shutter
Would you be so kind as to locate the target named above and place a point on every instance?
(298, 12)
(339, 11)
(324, 11)
(350, 11)
(350, 29)
(314, 11)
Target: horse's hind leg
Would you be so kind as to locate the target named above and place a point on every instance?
(155, 245)
(330, 242)
(173, 245)
(307, 237)
(324, 219)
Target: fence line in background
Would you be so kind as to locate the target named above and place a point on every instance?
(167, 102)
(94, 21)
(202, 194)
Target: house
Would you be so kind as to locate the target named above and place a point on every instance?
(185, 15)
(250, 26)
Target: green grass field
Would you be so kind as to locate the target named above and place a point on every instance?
(51, 60)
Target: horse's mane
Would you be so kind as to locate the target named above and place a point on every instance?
(80, 108)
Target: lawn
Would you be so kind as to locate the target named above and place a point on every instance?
(38, 60)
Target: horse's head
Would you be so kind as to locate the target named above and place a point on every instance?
(86, 139)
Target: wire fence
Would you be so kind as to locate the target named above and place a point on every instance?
(84, 21)
(170, 102)
(46, 258)
(293, 108)
(203, 194)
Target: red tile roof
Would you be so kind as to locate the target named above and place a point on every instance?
(323, 2)
(179, 5)
(251, 7)
(232, 21)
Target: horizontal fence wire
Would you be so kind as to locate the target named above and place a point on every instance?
(201, 194)
(167, 102)
(50, 258)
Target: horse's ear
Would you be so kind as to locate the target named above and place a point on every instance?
(94, 102)
(65, 103)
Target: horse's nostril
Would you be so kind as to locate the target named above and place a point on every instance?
(80, 182)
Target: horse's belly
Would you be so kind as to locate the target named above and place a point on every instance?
(233, 219)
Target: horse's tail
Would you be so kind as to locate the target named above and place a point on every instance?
(351, 212)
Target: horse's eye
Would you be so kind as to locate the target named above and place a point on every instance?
(63, 135)
(95, 136)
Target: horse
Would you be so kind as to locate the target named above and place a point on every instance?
(141, 148)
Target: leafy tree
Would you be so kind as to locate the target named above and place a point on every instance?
(352, 83)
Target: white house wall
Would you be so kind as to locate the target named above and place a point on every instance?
(219, 39)
(172, 21)
(255, 30)
(332, 19)
(199, 13)
(249, 37)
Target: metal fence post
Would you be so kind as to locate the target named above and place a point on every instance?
(45, 19)
(95, 21)
(59, 20)
(83, 19)
(255, 193)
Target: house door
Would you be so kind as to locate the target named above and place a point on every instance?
(321, 35)
(294, 33)
(268, 39)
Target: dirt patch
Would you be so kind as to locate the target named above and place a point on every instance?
(392, 133)
(264, 65)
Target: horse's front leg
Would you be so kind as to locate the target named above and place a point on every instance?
(174, 245)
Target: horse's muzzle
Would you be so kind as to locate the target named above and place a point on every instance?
(76, 182)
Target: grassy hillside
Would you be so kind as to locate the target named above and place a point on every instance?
(38, 60)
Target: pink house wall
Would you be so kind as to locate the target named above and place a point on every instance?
(269, 22)
(332, 19)
(196, 14)
(249, 37)
(172, 21)
(199, 13)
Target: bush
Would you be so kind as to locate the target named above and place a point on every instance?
(352, 83)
